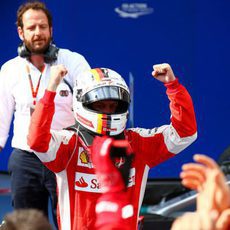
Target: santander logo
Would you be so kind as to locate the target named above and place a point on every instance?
(89, 182)
(81, 183)
(86, 182)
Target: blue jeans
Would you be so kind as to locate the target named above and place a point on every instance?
(31, 183)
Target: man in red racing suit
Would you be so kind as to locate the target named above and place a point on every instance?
(67, 152)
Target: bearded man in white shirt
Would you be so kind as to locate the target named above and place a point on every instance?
(23, 81)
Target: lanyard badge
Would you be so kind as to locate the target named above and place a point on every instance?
(34, 92)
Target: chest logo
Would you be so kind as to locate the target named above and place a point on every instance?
(64, 93)
(89, 183)
(83, 158)
(81, 183)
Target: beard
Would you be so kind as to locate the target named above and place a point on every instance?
(38, 46)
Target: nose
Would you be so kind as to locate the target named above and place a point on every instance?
(37, 30)
(109, 108)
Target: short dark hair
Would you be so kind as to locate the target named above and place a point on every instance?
(25, 219)
(35, 5)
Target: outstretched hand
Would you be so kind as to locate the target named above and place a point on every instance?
(57, 73)
(195, 221)
(213, 199)
(206, 177)
(163, 72)
(203, 220)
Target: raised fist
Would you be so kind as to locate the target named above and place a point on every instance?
(163, 73)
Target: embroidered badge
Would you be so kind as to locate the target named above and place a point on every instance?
(64, 93)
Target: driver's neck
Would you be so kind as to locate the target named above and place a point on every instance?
(38, 61)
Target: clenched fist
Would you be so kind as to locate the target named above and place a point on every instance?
(163, 72)
(57, 73)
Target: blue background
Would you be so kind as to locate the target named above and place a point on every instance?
(193, 36)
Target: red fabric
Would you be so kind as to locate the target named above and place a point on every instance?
(108, 174)
(43, 116)
(112, 220)
(181, 106)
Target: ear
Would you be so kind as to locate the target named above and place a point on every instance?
(20, 33)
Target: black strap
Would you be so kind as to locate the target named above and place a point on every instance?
(67, 83)
(86, 135)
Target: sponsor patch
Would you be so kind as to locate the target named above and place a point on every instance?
(83, 158)
(64, 93)
(89, 182)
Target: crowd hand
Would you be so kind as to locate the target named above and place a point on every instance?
(1, 148)
(196, 221)
(203, 220)
(206, 177)
(109, 176)
(223, 222)
(163, 72)
(57, 73)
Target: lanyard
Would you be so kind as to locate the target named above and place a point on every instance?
(34, 92)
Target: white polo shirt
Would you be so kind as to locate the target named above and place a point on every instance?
(16, 97)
